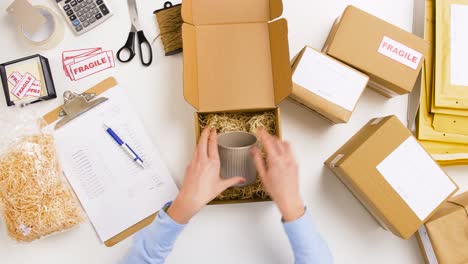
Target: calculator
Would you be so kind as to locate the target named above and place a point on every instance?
(84, 15)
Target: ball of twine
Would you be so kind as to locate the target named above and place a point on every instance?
(170, 28)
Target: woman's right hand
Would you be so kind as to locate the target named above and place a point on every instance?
(279, 175)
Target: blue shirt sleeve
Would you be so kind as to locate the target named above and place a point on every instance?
(307, 244)
(154, 243)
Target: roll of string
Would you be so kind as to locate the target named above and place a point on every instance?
(170, 26)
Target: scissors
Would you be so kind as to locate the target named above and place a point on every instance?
(129, 48)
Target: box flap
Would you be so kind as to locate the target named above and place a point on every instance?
(209, 12)
(190, 65)
(281, 69)
(223, 72)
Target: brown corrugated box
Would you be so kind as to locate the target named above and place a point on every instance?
(306, 97)
(447, 233)
(355, 39)
(356, 165)
(236, 59)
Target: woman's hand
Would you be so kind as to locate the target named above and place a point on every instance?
(279, 175)
(202, 182)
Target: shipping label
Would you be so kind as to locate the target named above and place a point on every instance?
(34, 90)
(78, 64)
(23, 86)
(14, 78)
(400, 53)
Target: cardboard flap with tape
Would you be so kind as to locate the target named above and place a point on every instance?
(230, 64)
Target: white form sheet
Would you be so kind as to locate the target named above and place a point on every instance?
(459, 44)
(419, 181)
(114, 191)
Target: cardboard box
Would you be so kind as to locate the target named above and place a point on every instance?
(444, 237)
(236, 59)
(398, 182)
(326, 85)
(391, 56)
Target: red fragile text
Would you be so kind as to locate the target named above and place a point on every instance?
(90, 65)
(25, 84)
(400, 52)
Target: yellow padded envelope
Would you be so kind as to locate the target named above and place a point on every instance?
(435, 142)
(451, 54)
(447, 154)
(425, 129)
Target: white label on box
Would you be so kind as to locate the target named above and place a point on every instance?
(427, 245)
(415, 176)
(329, 79)
(400, 53)
(459, 45)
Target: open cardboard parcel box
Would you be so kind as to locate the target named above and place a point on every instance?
(236, 59)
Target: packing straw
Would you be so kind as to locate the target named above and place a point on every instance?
(170, 26)
(247, 122)
(33, 198)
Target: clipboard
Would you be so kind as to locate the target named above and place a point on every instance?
(54, 115)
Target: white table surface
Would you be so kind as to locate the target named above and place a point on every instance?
(243, 233)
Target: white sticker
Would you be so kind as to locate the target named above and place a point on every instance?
(23, 85)
(329, 79)
(14, 78)
(400, 53)
(90, 65)
(427, 245)
(35, 89)
(415, 176)
(25, 230)
(376, 121)
(386, 91)
(336, 159)
(458, 45)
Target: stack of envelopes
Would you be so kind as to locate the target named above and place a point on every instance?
(443, 114)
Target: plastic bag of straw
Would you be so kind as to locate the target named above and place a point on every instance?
(34, 198)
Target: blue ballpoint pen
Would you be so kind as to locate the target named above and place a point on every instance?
(125, 146)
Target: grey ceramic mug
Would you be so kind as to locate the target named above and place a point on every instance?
(234, 153)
